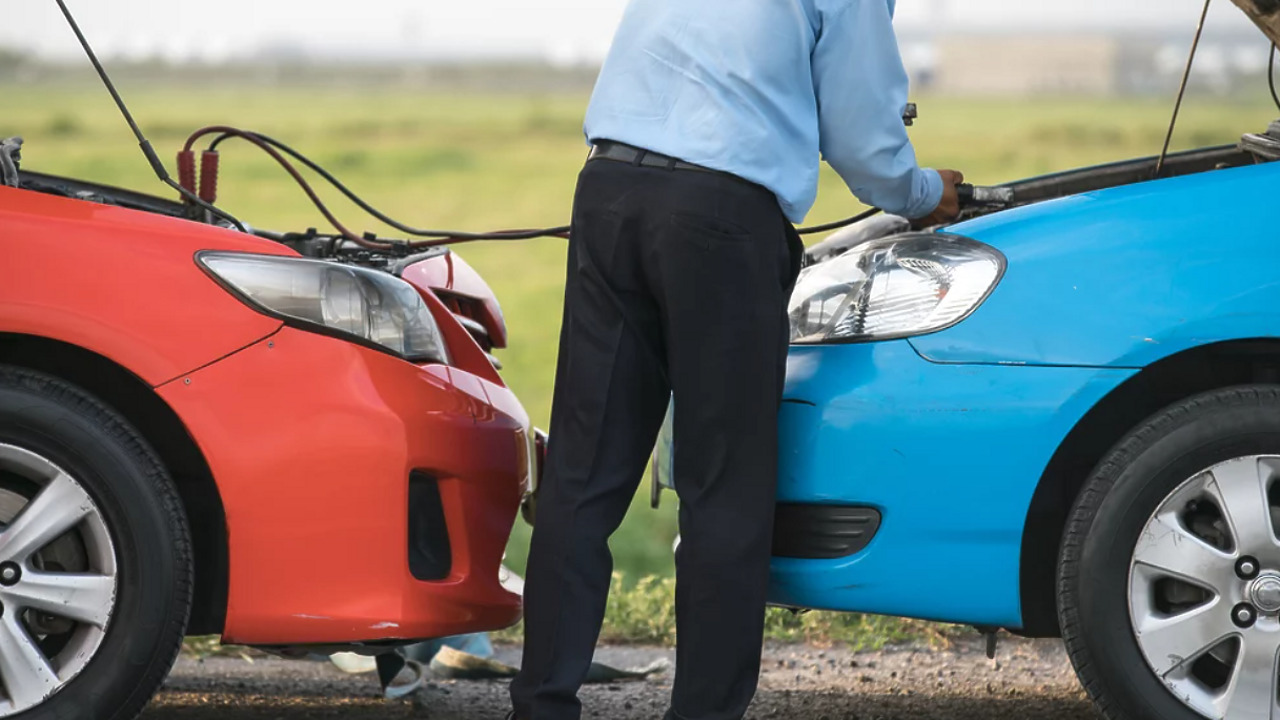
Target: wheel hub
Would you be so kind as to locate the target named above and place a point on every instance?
(1204, 590)
(57, 579)
(1263, 592)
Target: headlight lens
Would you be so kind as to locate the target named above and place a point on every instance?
(370, 307)
(894, 287)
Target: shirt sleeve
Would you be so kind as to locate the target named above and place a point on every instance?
(861, 87)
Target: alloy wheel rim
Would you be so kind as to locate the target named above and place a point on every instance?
(1204, 590)
(53, 618)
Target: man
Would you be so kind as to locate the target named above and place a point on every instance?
(707, 122)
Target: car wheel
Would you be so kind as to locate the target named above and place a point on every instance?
(1169, 575)
(95, 557)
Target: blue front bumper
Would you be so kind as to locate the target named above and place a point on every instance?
(949, 454)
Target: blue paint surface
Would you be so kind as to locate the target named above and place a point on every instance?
(948, 434)
(950, 454)
(1126, 276)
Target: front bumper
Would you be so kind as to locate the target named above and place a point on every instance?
(936, 463)
(313, 442)
(949, 454)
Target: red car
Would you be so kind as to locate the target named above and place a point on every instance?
(204, 431)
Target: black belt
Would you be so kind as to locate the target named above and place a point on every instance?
(619, 152)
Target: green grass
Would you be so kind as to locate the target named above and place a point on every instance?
(480, 162)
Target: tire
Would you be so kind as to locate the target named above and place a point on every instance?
(129, 552)
(1149, 575)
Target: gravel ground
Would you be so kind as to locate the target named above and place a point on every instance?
(1027, 681)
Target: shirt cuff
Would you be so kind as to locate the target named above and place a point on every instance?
(926, 194)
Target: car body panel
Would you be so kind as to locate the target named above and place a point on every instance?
(312, 441)
(949, 454)
(1126, 276)
(464, 352)
(948, 435)
(73, 271)
(450, 275)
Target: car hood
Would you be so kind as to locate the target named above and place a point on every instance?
(1042, 188)
(1265, 14)
(70, 216)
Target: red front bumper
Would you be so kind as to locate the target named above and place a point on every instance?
(312, 441)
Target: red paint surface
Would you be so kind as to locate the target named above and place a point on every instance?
(121, 283)
(451, 274)
(310, 439)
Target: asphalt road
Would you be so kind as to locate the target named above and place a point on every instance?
(1027, 681)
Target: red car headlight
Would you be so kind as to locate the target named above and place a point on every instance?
(354, 303)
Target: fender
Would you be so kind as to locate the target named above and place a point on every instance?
(454, 281)
(1125, 276)
(73, 271)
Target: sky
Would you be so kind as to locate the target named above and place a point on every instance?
(564, 31)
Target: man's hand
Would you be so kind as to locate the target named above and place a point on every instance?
(949, 208)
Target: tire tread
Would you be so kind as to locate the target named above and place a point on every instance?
(109, 421)
(1091, 497)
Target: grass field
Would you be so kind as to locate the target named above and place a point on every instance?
(487, 162)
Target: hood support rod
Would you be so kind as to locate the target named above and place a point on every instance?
(1182, 89)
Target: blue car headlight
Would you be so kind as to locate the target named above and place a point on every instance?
(358, 304)
(894, 287)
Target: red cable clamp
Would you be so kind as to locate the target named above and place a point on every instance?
(187, 171)
(209, 176)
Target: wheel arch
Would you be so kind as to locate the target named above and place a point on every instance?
(135, 400)
(1167, 381)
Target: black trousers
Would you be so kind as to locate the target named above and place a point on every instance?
(677, 282)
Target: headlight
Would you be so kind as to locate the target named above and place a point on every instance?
(366, 306)
(894, 287)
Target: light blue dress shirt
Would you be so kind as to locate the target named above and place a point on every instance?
(763, 89)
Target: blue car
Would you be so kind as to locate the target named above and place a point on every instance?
(1059, 417)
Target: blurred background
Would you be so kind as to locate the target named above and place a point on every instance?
(468, 115)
